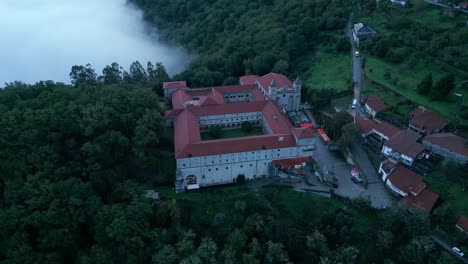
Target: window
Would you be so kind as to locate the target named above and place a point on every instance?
(242, 166)
(212, 161)
(250, 165)
(209, 169)
(284, 95)
(227, 168)
(183, 164)
(216, 169)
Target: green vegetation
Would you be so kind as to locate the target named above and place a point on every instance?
(232, 133)
(328, 69)
(233, 38)
(412, 43)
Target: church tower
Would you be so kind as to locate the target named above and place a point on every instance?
(273, 90)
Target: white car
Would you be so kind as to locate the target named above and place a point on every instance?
(458, 251)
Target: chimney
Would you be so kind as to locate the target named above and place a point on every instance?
(280, 139)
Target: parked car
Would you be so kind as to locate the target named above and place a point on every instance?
(356, 53)
(355, 177)
(458, 251)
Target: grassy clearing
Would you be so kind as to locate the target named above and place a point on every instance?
(343, 102)
(451, 190)
(405, 84)
(234, 133)
(328, 69)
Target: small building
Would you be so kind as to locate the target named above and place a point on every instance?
(374, 105)
(404, 147)
(448, 145)
(463, 5)
(375, 132)
(424, 201)
(362, 32)
(462, 224)
(401, 3)
(170, 87)
(426, 121)
(386, 168)
(404, 182)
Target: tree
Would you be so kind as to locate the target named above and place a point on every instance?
(167, 255)
(247, 126)
(385, 240)
(338, 121)
(215, 132)
(275, 253)
(317, 243)
(425, 86)
(281, 67)
(80, 75)
(137, 74)
(343, 45)
(207, 250)
(417, 250)
(442, 87)
(111, 74)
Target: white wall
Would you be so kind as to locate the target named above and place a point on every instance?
(219, 169)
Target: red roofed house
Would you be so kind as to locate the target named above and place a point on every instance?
(374, 105)
(170, 87)
(462, 224)
(404, 182)
(410, 185)
(425, 201)
(403, 146)
(448, 145)
(375, 132)
(257, 100)
(426, 121)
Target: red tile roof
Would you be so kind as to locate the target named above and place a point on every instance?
(406, 180)
(425, 200)
(282, 82)
(463, 222)
(174, 85)
(406, 143)
(179, 97)
(427, 119)
(365, 124)
(449, 141)
(387, 129)
(187, 130)
(249, 79)
(234, 145)
(464, 4)
(301, 133)
(375, 103)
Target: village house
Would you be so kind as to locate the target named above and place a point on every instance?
(362, 32)
(373, 105)
(409, 186)
(424, 201)
(448, 145)
(403, 147)
(261, 101)
(375, 132)
(462, 224)
(426, 121)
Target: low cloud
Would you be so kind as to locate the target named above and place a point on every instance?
(42, 40)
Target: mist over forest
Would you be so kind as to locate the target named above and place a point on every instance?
(42, 40)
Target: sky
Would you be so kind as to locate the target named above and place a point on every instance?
(42, 40)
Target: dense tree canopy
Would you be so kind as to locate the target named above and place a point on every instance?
(233, 38)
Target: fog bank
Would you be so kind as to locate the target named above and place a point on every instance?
(42, 40)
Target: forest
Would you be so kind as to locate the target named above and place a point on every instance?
(76, 159)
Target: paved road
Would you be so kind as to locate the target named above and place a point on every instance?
(375, 186)
(445, 245)
(445, 6)
(329, 161)
(357, 62)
